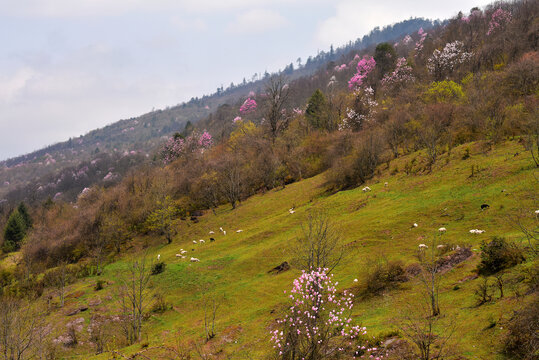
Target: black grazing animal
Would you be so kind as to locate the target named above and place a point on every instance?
(484, 206)
(212, 239)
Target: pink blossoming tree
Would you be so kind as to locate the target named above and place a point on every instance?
(422, 37)
(402, 74)
(499, 19)
(318, 324)
(364, 67)
(248, 106)
(178, 146)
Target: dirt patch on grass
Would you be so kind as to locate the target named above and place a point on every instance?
(75, 294)
(447, 262)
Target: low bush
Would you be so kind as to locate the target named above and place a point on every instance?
(384, 276)
(158, 268)
(522, 339)
(497, 255)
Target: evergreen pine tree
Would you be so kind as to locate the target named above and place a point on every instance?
(23, 211)
(14, 232)
(316, 112)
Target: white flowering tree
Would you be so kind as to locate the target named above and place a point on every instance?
(443, 62)
(318, 324)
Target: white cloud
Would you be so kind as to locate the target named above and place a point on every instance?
(85, 8)
(12, 86)
(257, 21)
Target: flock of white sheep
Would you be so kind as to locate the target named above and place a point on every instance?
(182, 253)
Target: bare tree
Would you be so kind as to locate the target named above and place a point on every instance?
(277, 94)
(430, 334)
(19, 329)
(114, 230)
(231, 180)
(526, 220)
(58, 277)
(430, 275)
(318, 246)
(133, 298)
(210, 313)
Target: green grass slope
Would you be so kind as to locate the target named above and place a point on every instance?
(375, 225)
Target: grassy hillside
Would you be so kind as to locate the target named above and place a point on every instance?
(374, 225)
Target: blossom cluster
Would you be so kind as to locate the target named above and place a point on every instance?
(364, 67)
(248, 106)
(298, 111)
(444, 61)
(341, 67)
(236, 119)
(364, 111)
(419, 44)
(178, 146)
(499, 18)
(319, 320)
(401, 74)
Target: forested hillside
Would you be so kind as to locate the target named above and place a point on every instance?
(383, 206)
(143, 136)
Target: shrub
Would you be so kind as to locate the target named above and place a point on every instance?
(99, 285)
(158, 268)
(522, 340)
(497, 255)
(160, 305)
(384, 276)
(483, 292)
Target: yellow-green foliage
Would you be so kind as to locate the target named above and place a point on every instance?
(444, 91)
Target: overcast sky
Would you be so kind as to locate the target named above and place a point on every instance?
(70, 66)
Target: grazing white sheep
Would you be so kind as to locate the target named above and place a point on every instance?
(366, 188)
(224, 232)
(195, 242)
(441, 246)
(194, 259)
(211, 232)
(291, 211)
(536, 212)
(442, 229)
(179, 255)
(182, 251)
(415, 225)
(158, 256)
(423, 246)
(476, 231)
(201, 241)
(355, 280)
(238, 231)
(221, 228)
(386, 184)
